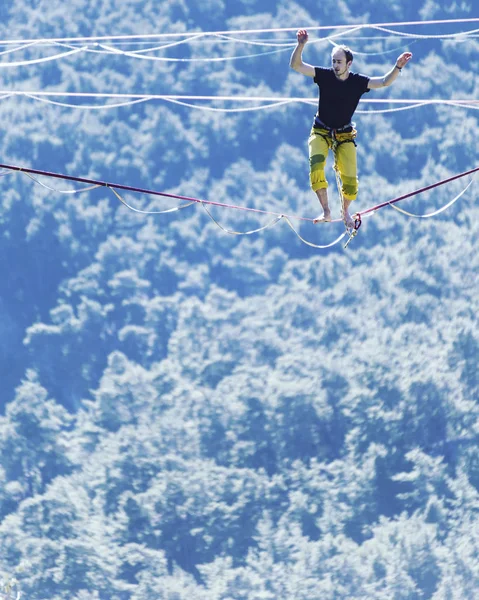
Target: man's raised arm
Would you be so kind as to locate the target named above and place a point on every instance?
(391, 76)
(296, 61)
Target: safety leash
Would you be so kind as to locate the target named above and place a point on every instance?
(351, 232)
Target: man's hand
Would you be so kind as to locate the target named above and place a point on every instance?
(403, 59)
(302, 36)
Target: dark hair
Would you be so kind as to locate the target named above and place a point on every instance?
(347, 51)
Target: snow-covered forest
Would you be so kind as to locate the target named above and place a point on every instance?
(191, 415)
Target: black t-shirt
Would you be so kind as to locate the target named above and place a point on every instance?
(338, 99)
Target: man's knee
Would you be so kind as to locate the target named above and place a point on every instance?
(317, 177)
(349, 187)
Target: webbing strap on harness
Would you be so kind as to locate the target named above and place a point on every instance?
(331, 136)
(351, 231)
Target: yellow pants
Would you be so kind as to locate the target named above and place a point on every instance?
(320, 141)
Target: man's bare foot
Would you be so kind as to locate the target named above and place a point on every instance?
(324, 218)
(348, 220)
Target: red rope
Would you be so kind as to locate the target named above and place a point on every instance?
(420, 191)
(129, 188)
(222, 204)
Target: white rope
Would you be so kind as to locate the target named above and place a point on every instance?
(229, 110)
(86, 49)
(104, 49)
(277, 218)
(217, 38)
(290, 44)
(458, 37)
(146, 99)
(232, 232)
(274, 101)
(229, 38)
(319, 247)
(224, 39)
(35, 61)
(153, 36)
(192, 38)
(380, 52)
(86, 106)
(148, 212)
(79, 191)
(137, 53)
(299, 99)
(283, 46)
(425, 36)
(220, 36)
(436, 212)
(271, 224)
(209, 59)
(389, 110)
(24, 47)
(140, 54)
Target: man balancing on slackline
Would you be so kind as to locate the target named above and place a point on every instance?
(339, 93)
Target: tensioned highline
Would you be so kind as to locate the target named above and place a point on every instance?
(277, 216)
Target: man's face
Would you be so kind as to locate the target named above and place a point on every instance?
(339, 64)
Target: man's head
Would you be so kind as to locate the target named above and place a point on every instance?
(341, 60)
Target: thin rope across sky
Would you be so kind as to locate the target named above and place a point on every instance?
(219, 39)
(99, 47)
(156, 36)
(197, 102)
(277, 217)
